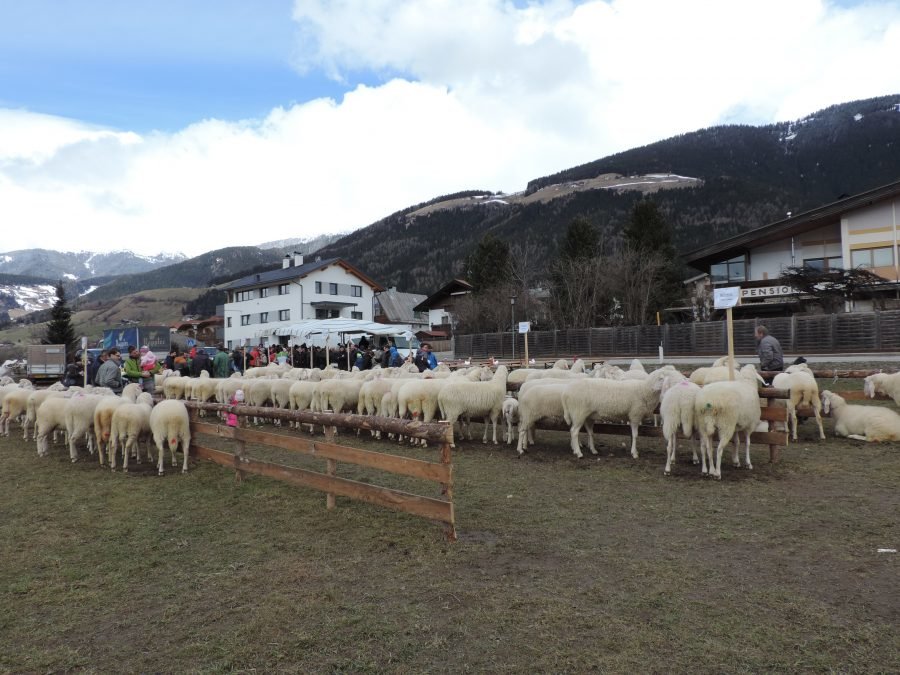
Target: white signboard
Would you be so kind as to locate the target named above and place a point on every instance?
(767, 291)
(724, 298)
(524, 326)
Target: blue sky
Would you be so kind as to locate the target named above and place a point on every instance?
(274, 118)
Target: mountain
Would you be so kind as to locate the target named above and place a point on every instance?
(83, 264)
(21, 295)
(710, 184)
(304, 245)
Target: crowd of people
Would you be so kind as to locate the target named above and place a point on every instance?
(141, 364)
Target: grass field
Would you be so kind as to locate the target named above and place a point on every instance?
(562, 565)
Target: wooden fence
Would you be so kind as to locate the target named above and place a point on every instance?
(798, 334)
(441, 472)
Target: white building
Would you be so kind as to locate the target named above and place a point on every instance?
(858, 231)
(258, 304)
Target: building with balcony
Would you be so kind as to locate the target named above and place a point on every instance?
(258, 304)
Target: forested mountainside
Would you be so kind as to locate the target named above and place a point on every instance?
(749, 177)
(81, 264)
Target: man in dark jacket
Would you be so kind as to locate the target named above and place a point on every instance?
(95, 366)
(200, 362)
(768, 348)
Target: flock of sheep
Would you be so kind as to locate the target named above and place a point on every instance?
(108, 424)
(707, 403)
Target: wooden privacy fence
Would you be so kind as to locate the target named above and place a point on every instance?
(798, 334)
(438, 509)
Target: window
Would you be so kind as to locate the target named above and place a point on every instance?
(356, 315)
(824, 264)
(284, 315)
(356, 291)
(229, 321)
(264, 291)
(241, 296)
(328, 313)
(231, 344)
(264, 317)
(882, 256)
(332, 289)
(730, 270)
(318, 287)
(245, 319)
(284, 289)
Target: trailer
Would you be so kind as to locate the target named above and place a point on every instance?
(45, 362)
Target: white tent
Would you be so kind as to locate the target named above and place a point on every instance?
(327, 327)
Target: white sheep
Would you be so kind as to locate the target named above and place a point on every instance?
(14, 406)
(804, 391)
(861, 422)
(510, 416)
(539, 400)
(170, 424)
(80, 420)
(883, 383)
(34, 401)
(461, 397)
(51, 415)
(676, 407)
(727, 408)
(130, 424)
(103, 415)
(597, 399)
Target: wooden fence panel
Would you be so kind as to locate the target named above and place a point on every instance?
(811, 333)
(745, 338)
(649, 339)
(709, 338)
(602, 340)
(855, 332)
(889, 330)
(627, 340)
(680, 338)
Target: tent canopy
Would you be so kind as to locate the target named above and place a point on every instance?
(306, 329)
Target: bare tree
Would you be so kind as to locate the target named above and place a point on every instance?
(639, 273)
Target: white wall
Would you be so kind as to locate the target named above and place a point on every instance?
(298, 301)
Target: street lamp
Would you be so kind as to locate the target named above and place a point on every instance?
(512, 307)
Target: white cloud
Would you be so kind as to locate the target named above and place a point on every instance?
(483, 94)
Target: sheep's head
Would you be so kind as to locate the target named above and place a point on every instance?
(828, 400)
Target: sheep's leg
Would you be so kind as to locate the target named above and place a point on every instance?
(185, 445)
(819, 422)
(485, 423)
(793, 411)
(161, 457)
(736, 454)
(704, 452)
(717, 472)
(634, 435)
(509, 431)
(857, 437)
(574, 428)
(523, 439)
(747, 453)
(670, 454)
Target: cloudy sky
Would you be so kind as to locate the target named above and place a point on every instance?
(174, 125)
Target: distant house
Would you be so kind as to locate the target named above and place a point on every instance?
(441, 306)
(861, 230)
(259, 304)
(395, 307)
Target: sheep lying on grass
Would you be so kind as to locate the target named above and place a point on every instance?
(861, 422)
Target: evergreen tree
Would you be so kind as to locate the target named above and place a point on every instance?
(581, 240)
(487, 265)
(648, 235)
(60, 330)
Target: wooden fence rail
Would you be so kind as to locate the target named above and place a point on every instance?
(440, 510)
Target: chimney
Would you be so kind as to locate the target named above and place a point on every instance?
(298, 259)
(286, 262)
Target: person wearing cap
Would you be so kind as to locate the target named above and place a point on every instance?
(221, 362)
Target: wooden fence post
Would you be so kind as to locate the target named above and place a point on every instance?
(330, 467)
(447, 488)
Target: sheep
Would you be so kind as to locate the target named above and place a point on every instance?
(676, 407)
(861, 422)
(539, 400)
(510, 412)
(205, 389)
(174, 387)
(728, 408)
(170, 423)
(883, 383)
(804, 391)
(608, 371)
(474, 398)
(14, 406)
(80, 420)
(636, 371)
(130, 423)
(50, 416)
(703, 376)
(600, 399)
(301, 395)
(35, 399)
(103, 415)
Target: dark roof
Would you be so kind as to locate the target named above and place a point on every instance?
(398, 306)
(288, 273)
(702, 258)
(455, 286)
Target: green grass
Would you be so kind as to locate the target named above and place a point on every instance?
(561, 565)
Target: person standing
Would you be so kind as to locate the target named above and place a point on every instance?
(110, 373)
(425, 360)
(768, 348)
(220, 362)
(201, 362)
(95, 367)
(133, 370)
